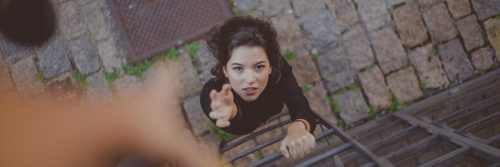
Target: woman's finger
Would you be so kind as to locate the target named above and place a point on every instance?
(300, 149)
(284, 149)
(292, 149)
(214, 105)
(222, 123)
(312, 141)
(226, 89)
(213, 95)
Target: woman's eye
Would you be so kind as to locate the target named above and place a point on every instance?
(261, 67)
(238, 69)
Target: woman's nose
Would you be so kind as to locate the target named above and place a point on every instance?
(250, 77)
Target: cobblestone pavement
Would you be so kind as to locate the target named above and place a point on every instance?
(354, 59)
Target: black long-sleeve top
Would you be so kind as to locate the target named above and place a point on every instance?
(252, 114)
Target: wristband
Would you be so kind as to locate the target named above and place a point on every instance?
(303, 122)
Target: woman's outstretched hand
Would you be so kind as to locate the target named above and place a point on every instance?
(222, 105)
(297, 142)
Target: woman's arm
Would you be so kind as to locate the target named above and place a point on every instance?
(295, 100)
(219, 106)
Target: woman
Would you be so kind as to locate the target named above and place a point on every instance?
(252, 82)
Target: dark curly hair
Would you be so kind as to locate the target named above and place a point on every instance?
(243, 31)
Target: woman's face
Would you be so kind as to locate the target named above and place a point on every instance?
(248, 71)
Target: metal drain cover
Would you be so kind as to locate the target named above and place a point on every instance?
(152, 26)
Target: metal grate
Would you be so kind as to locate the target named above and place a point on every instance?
(152, 26)
(458, 127)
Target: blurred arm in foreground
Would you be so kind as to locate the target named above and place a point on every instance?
(47, 133)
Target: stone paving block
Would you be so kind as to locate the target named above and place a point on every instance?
(492, 28)
(84, 54)
(247, 5)
(301, 7)
(428, 2)
(439, 23)
(316, 96)
(97, 90)
(96, 21)
(53, 58)
(455, 62)
(83, 2)
(394, 2)
(471, 32)
(388, 50)
(404, 84)
(197, 119)
(63, 87)
(127, 86)
(188, 78)
(204, 62)
(375, 88)
(336, 69)
(304, 70)
(71, 21)
(109, 55)
(274, 7)
(290, 35)
(24, 74)
(320, 27)
(428, 67)
(358, 48)
(459, 8)
(482, 58)
(409, 24)
(246, 160)
(374, 13)
(352, 106)
(344, 13)
(11, 51)
(5, 80)
(486, 8)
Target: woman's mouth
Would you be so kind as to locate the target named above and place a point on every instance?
(250, 91)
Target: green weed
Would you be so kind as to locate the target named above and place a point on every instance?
(334, 106)
(192, 50)
(81, 80)
(172, 53)
(111, 77)
(435, 50)
(306, 88)
(219, 133)
(137, 69)
(396, 105)
(289, 55)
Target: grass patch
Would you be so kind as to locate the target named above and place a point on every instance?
(40, 77)
(315, 56)
(333, 105)
(306, 88)
(111, 77)
(237, 11)
(497, 17)
(422, 84)
(259, 155)
(137, 69)
(396, 105)
(172, 53)
(371, 112)
(343, 126)
(352, 87)
(435, 50)
(81, 80)
(192, 50)
(289, 55)
(219, 133)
